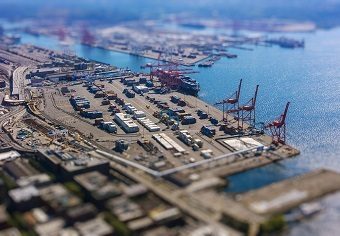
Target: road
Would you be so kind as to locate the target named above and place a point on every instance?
(19, 82)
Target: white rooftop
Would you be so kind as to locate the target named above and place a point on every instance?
(242, 143)
(24, 193)
(9, 155)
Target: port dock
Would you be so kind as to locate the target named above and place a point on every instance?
(178, 151)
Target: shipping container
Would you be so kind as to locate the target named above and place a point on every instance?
(203, 115)
(111, 96)
(142, 80)
(98, 121)
(174, 99)
(130, 94)
(208, 131)
(181, 103)
(99, 94)
(149, 84)
(105, 102)
(188, 120)
(213, 121)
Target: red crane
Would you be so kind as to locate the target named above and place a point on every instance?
(248, 111)
(169, 73)
(157, 65)
(171, 77)
(87, 37)
(61, 33)
(278, 127)
(231, 105)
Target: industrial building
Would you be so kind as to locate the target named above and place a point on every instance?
(66, 165)
(25, 198)
(24, 174)
(97, 186)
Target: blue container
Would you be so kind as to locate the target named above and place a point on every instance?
(214, 121)
(188, 120)
(149, 84)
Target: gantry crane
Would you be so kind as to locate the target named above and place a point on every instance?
(171, 78)
(278, 127)
(156, 66)
(168, 73)
(61, 32)
(87, 37)
(230, 105)
(248, 111)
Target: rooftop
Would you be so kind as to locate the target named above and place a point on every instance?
(3, 215)
(58, 197)
(96, 226)
(10, 232)
(9, 155)
(98, 185)
(50, 228)
(125, 209)
(23, 193)
(72, 162)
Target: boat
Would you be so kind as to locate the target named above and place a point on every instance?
(189, 86)
(286, 42)
(205, 64)
(175, 78)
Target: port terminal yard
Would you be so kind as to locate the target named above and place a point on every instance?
(176, 145)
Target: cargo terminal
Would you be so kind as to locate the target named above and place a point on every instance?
(133, 141)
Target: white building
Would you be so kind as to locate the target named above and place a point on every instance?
(126, 123)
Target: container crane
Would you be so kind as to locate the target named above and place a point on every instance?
(172, 78)
(155, 66)
(278, 127)
(231, 105)
(61, 32)
(248, 111)
(168, 73)
(87, 37)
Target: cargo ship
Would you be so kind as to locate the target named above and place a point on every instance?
(176, 80)
(209, 62)
(173, 77)
(189, 86)
(286, 42)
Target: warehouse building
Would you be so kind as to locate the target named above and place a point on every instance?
(65, 165)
